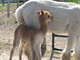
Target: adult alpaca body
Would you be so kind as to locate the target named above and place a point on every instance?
(31, 38)
(66, 20)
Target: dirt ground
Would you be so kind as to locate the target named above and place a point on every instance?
(7, 27)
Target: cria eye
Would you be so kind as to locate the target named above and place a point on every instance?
(48, 16)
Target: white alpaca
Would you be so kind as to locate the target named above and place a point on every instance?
(66, 20)
(31, 38)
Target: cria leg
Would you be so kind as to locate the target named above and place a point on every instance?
(15, 44)
(31, 55)
(43, 47)
(21, 50)
(12, 51)
(39, 38)
(28, 50)
(37, 51)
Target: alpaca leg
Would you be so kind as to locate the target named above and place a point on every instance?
(65, 56)
(66, 51)
(76, 53)
(43, 47)
(71, 33)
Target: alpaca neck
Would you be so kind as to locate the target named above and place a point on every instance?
(43, 25)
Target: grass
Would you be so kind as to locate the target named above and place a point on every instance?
(4, 7)
(75, 2)
(0, 4)
(78, 2)
(8, 21)
(5, 46)
(12, 4)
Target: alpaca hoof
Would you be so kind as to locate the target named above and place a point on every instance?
(66, 56)
(76, 56)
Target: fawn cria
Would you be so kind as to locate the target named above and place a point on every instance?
(30, 39)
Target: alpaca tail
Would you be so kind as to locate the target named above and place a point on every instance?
(18, 15)
(18, 12)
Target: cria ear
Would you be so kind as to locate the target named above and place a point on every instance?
(42, 12)
(39, 13)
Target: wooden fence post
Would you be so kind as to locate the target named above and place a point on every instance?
(2, 2)
(8, 8)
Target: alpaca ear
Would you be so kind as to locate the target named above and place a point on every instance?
(39, 13)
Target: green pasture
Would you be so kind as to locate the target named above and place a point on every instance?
(4, 7)
(13, 4)
(75, 2)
